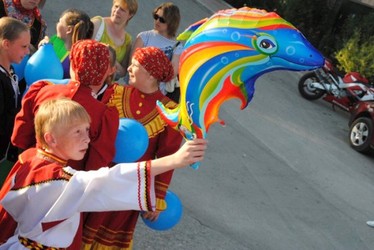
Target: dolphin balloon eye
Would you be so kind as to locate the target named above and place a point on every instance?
(266, 44)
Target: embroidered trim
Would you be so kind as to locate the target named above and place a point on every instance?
(106, 238)
(50, 157)
(139, 186)
(152, 122)
(64, 176)
(144, 184)
(30, 244)
(147, 171)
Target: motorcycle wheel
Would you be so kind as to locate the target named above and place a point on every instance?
(360, 134)
(306, 90)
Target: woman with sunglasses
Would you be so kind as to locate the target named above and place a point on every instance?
(163, 35)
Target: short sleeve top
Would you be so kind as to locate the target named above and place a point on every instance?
(152, 38)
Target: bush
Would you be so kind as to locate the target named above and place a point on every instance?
(357, 55)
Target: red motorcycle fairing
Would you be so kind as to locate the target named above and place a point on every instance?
(355, 77)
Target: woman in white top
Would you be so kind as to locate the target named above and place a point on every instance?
(163, 35)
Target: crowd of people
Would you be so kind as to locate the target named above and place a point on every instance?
(57, 141)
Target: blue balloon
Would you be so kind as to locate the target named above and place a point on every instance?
(131, 142)
(19, 68)
(170, 216)
(43, 64)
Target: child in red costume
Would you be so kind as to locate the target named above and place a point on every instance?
(46, 196)
(89, 68)
(149, 67)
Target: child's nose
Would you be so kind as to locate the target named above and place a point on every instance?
(87, 138)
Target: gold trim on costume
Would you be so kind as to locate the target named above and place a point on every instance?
(152, 122)
(30, 244)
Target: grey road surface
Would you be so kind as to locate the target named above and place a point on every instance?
(279, 176)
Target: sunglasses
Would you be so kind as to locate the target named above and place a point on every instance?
(160, 18)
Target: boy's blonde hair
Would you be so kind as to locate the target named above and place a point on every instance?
(58, 114)
(11, 28)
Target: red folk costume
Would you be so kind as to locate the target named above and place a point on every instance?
(89, 61)
(114, 230)
(103, 129)
(46, 197)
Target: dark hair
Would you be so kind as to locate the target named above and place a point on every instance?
(10, 28)
(81, 22)
(171, 15)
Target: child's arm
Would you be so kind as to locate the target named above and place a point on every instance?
(125, 186)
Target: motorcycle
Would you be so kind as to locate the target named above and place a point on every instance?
(342, 91)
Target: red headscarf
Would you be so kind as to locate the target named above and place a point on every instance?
(155, 62)
(89, 60)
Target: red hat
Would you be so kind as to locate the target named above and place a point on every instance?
(89, 60)
(155, 62)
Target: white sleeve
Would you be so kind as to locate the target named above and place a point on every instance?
(127, 186)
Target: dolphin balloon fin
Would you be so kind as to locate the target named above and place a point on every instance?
(185, 35)
(170, 116)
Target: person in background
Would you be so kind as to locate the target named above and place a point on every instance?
(27, 11)
(73, 25)
(112, 31)
(163, 35)
(46, 196)
(14, 46)
(149, 67)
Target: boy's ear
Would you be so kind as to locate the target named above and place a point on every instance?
(49, 139)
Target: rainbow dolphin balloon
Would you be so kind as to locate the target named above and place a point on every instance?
(223, 57)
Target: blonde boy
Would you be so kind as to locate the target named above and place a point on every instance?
(46, 197)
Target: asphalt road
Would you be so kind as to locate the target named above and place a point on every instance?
(279, 175)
